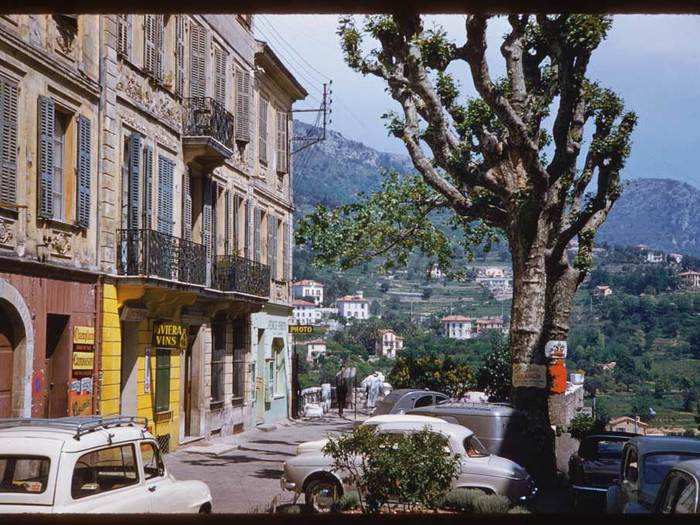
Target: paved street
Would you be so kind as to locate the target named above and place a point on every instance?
(243, 471)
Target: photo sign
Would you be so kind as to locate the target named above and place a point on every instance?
(169, 335)
(301, 329)
(529, 376)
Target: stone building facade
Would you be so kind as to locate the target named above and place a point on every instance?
(174, 215)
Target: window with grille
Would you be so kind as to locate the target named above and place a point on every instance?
(8, 142)
(239, 327)
(162, 380)
(218, 360)
(262, 130)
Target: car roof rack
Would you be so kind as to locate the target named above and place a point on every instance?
(79, 425)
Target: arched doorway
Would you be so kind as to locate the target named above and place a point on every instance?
(16, 353)
(7, 347)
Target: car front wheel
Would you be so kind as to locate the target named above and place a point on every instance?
(322, 493)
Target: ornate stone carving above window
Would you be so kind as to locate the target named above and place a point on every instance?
(59, 244)
(7, 234)
(66, 32)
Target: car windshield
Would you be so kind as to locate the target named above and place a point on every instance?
(474, 448)
(24, 474)
(657, 465)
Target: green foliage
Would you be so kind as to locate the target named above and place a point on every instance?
(426, 293)
(582, 425)
(434, 372)
(495, 375)
(348, 501)
(386, 467)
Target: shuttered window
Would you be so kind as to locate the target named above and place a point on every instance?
(46, 160)
(262, 130)
(83, 173)
(218, 361)
(207, 217)
(236, 219)
(286, 249)
(257, 240)
(227, 221)
(282, 142)
(124, 36)
(162, 380)
(220, 60)
(147, 221)
(246, 226)
(272, 245)
(244, 93)
(180, 55)
(153, 45)
(186, 206)
(134, 172)
(8, 142)
(166, 169)
(198, 63)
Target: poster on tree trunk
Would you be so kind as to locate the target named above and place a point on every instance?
(555, 350)
(529, 375)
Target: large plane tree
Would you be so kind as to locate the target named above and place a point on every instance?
(535, 157)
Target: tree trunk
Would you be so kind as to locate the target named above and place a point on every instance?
(528, 314)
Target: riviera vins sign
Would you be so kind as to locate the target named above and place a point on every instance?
(169, 335)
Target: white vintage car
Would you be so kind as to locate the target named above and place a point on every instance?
(317, 445)
(89, 464)
(311, 473)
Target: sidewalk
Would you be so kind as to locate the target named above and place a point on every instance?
(243, 470)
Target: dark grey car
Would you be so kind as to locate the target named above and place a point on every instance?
(679, 491)
(498, 426)
(404, 399)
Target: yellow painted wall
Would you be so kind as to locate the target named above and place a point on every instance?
(111, 371)
(111, 352)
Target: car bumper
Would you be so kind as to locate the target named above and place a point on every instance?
(589, 489)
(287, 485)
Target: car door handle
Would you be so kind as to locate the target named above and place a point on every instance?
(152, 488)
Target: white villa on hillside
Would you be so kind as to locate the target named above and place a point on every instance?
(314, 349)
(388, 343)
(353, 306)
(690, 278)
(457, 327)
(308, 288)
(306, 312)
(489, 323)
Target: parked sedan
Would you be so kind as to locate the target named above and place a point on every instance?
(596, 465)
(317, 445)
(89, 465)
(312, 473)
(646, 461)
(404, 399)
(679, 491)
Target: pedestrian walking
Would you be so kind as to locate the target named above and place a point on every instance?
(326, 397)
(341, 389)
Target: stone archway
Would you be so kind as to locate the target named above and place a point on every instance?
(13, 306)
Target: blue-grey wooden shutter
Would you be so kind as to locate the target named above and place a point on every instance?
(186, 206)
(220, 59)
(165, 195)
(153, 45)
(272, 245)
(246, 224)
(134, 182)
(47, 116)
(147, 187)
(286, 248)
(180, 55)
(8, 142)
(243, 102)
(198, 61)
(257, 242)
(84, 175)
(235, 219)
(207, 218)
(227, 222)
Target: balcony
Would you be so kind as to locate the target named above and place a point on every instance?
(207, 132)
(150, 253)
(238, 274)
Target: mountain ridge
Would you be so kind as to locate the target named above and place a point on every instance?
(660, 212)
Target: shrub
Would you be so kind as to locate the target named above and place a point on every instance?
(386, 467)
(518, 510)
(476, 502)
(582, 425)
(348, 501)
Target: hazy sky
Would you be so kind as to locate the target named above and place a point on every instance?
(652, 61)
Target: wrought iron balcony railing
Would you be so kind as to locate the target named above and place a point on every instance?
(238, 274)
(205, 117)
(152, 253)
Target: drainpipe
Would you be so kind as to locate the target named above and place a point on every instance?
(97, 370)
(100, 145)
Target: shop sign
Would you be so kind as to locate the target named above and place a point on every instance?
(301, 329)
(83, 360)
(555, 350)
(169, 335)
(84, 335)
(529, 376)
(80, 397)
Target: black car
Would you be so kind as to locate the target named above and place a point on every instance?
(404, 399)
(597, 463)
